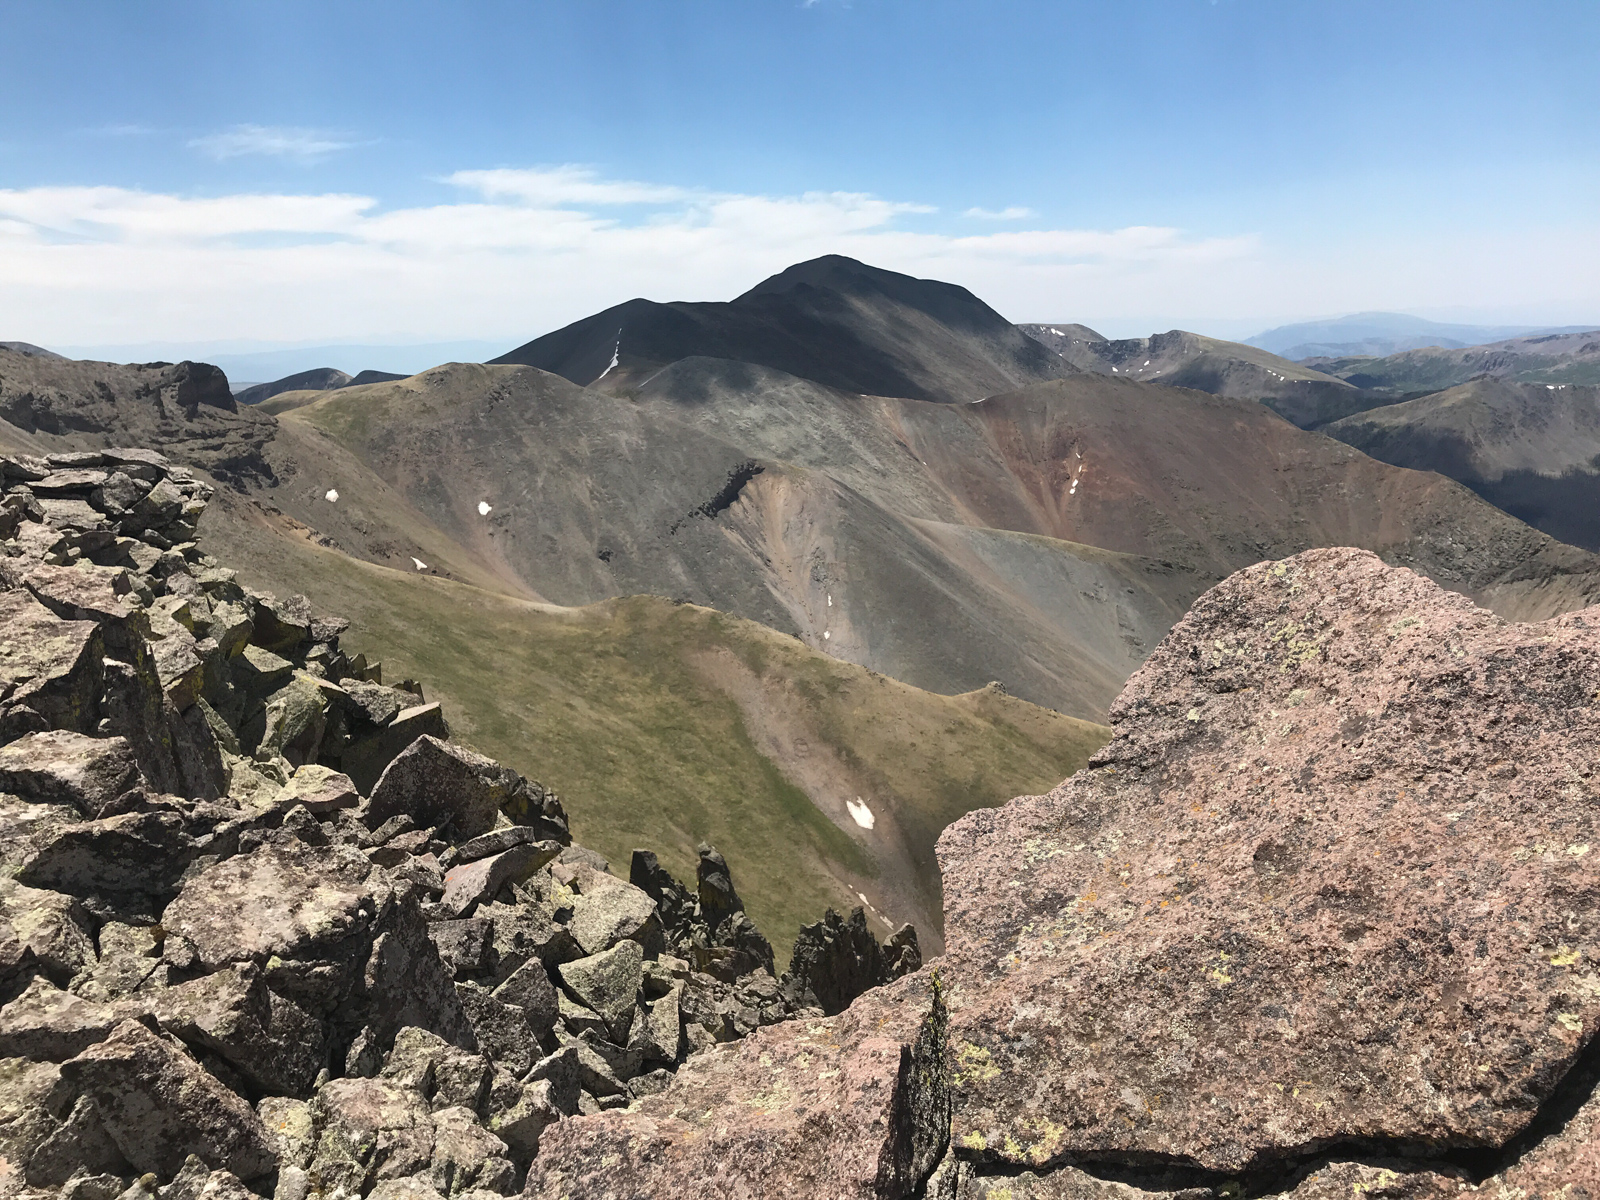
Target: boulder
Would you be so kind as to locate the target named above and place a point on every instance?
(50, 932)
(367, 757)
(113, 860)
(765, 1117)
(465, 946)
(501, 1030)
(51, 667)
(468, 885)
(466, 1155)
(274, 1044)
(197, 1181)
(62, 767)
(288, 901)
(51, 1025)
(529, 988)
(369, 1131)
(1287, 873)
(438, 783)
(160, 1106)
(608, 983)
(607, 911)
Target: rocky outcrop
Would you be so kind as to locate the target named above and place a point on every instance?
(264, 929)
(1321, 920)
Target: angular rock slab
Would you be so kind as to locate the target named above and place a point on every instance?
(1336, 876)
(277, 900)
(854, 1106)
(62, 767)
(160, 1106)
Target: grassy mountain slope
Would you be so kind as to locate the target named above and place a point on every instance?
(662, 724)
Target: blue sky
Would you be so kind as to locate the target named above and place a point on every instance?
(215, 172)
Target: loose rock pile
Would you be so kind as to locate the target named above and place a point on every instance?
(1322, 920)
(265, 929)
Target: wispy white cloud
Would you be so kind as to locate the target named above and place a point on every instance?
(1014, 213)
(121, 131)
(273, 141)
(518, 252)
(563, 185)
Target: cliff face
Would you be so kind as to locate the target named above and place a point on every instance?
(1323, 916)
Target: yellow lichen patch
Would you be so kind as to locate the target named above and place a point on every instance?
(1565, 957)
(1221, 979)
(973, 1064)
(975, 1141)
(1570, 1021)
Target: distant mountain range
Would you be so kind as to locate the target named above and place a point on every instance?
(1383, 333)
(883, 470)
(1553, 358)
(251, 366)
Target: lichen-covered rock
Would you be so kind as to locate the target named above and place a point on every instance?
(606, 911)
(62, 767)
(159, 1106)
(843, 1107)
(1334, 878)
(608, 983)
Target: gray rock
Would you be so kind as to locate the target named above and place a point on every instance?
(368, 756)
(579, 1018)
(160, 1106)
(464, 1153)
(272, 1042)
(607, 911)
(196, 1181)
(62, 767)
(501, 1029)
(466, 946)
(52, 929)
(321, 789)
(47, 1023)
(658, 1031)
(406, 983)
(369, 1131)
(469, 884)
(608, 983)
(50, 666)
(79, 1144)
(438, 783)
(529, 988)
(565, 1072)
(288, 901)
(495, 841)
(290, 1133)
(445, 1075)
(519, 1124)
(116, 857)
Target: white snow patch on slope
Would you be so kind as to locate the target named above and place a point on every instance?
(420, 565)
(860, 813)
(616, 354)
(332, 496)
(484, 508)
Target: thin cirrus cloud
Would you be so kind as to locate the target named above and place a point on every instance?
(272, 141)
(1014, 213)
(513, 253)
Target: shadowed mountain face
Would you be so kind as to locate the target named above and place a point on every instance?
(1178, 358)
(1533, 450)
(833, 320)
(1551, 358)
(321, 379)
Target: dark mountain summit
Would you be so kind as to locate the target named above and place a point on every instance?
(832, 320)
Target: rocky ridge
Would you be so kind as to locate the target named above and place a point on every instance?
(264, 929)
(1322, 919)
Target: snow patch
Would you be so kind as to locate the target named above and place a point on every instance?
(484, 508)
(862, 816)
(332, 496)
(826, 635)
(830, 601)
(418, 563)
(616, 354)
